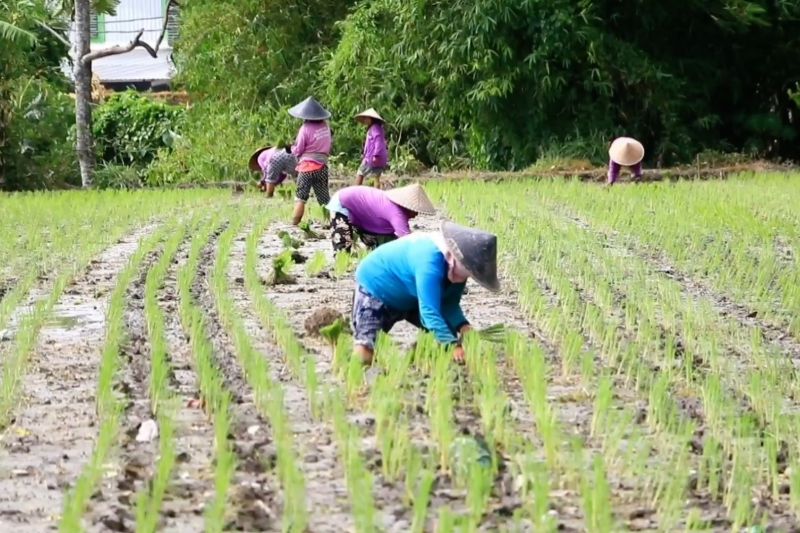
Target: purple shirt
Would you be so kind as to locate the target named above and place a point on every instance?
(371, 210)
(376, 154)
(313, 142)
(614, 168)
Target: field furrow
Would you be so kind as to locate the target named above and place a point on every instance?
(253, 502)
(314, 444)
(133, 464)
(192, 487)
(56, 423)
(298, 300)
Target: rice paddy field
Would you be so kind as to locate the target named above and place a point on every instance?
(163, 367)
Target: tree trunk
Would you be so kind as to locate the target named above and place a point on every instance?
(82, 72)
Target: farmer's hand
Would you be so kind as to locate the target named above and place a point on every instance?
(466, 328)
(458, 355)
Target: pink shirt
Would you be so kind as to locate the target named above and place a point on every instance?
(313, 142)
(263, 159)
(371, 210)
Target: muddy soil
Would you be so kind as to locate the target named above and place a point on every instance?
(316, 451)
(302, 299)
(254, 497)
(192, 486)
(298, 300)
(113, 506)
(53, 433)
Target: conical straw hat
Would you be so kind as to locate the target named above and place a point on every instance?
(477, 251)
(310, 109)
(413, 198)
(626, 151)
(253, 162)
(369, 113)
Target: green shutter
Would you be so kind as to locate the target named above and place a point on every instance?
(97, 23)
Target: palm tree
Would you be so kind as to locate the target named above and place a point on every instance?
(15, 34)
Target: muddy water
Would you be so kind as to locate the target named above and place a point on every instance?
(53, 434)
(317, 453)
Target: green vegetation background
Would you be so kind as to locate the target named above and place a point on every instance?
(488, 84)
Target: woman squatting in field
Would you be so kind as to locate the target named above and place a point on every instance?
(376, 153)
(376, 216)
(274, 164)
(625, 152)
(420, 279)
(312, 148)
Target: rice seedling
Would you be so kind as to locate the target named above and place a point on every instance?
(281, 266)
(309, 233)
(342, 264)
(269, 399)
(162, 402)
(317, 264)
(109, 406)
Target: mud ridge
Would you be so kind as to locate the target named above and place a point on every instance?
(255, 496)
(316, 449)
(114, 504)
(53, 435)
(192, 486)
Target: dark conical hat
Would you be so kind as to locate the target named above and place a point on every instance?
(309, 109)
(477, 251)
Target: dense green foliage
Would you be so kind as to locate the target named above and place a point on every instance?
(35, 111)
(494, 83)
(130, 128)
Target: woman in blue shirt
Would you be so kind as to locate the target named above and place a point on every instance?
(420, 278)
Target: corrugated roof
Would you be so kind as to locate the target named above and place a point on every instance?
(136, 65)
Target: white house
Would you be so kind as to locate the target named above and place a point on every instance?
(135, 68)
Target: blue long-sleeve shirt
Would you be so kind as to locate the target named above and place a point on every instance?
(411, 272)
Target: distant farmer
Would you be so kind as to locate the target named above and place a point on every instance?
(421, 278)
(274, 164)
(312, 148)
(625, 152)
(376, 154)
(377, 216)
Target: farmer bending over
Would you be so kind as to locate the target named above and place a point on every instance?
(274, 164)
(625, 152)
(312, 148)
(377, 216)
(420, 278)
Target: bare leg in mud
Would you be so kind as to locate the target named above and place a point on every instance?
(365, 353)
(270, 190)
(299, 210)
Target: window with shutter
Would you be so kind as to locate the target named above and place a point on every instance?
(97, 25)
(172, 24)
